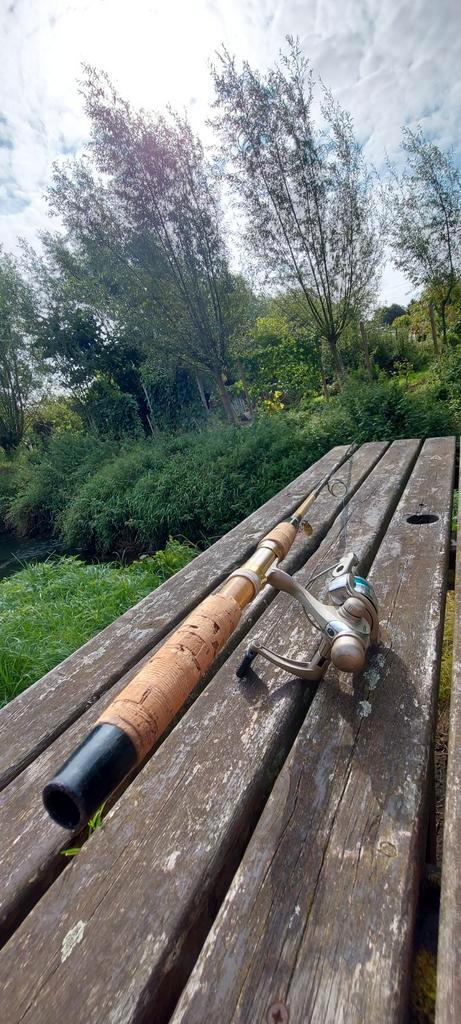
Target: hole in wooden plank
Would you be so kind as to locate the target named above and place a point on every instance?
(420, 518)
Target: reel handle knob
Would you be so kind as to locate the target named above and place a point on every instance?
(348, 653)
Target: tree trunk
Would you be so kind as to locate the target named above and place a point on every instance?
(433, 329)
(201, 391)
(443, 306)
(366, 350)
(324, 382)
(150, 415)
(245, 385)
(336, 358)
(227, 404)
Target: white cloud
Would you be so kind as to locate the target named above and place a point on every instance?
(389, 63)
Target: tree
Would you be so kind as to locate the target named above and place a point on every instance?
(16, 362)
(94, 316)
(283, 358)
(304, 188)
(387, 314)
(424, 220)
(160, 190)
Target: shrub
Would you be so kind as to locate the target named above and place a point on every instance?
(448, 378)
(111, 412)
(50, 416)
(101, 498)
(7, 490)
(388, 350)
(197, 485)
(45, 480)
(376, 409)
(384, 410)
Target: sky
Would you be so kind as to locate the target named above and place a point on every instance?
(389, 62)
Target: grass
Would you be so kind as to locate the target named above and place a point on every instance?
(447, 649)
(415, 378)
(94, 823)
(49, 609)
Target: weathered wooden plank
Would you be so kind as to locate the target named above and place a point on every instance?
(121, 925)
(448, 1008)
(72, 686)
(319, 916)
(27, 828)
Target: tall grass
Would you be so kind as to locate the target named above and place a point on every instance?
(49, 609)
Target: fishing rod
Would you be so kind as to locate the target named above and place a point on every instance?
(128, 729)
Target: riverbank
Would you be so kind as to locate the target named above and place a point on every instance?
(49, 609)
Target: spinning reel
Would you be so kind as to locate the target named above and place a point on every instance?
(348, 625)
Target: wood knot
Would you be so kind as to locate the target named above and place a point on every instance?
(388, 849)
(277, 1014)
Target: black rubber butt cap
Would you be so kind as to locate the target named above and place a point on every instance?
(89, 776)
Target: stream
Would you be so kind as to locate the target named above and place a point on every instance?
(15, 551)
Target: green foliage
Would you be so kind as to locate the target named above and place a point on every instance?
(7, 489)
(199, 485)
(383, 410)
(424, 219)
(110, 412)
(301, 180)
(100, 498)
(50, 416)
(173, 398)
(390, 346)
(376, 409)
(387, 314)
(17, 376)
(200, 490)
(49, 609)
(283, 358)
(448, 375)
(44, 481)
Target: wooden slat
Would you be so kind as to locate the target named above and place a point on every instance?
(24, 878)
(448, 1008)
(72, 686)
(123, 922)
(319, 917)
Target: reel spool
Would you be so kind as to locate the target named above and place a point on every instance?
(347, 626)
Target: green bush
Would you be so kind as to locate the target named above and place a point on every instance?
(7, 490)
(49, 609)
(50, 416)
(447, 376)
(110, 412)
(104, 498)
(383, 410)
(388, 350)
(376, 409)
(197, 485)
(46, 479)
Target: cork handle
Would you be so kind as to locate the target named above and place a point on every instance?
(282, 536)
(147, 705)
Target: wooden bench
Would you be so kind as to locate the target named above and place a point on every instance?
(264, 863)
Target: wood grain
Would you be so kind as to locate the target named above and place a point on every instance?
(26, 828)
(70, 688)
(116, 935)
(448, 1008)
(319, 917)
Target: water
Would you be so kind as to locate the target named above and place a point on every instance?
(17, 550)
